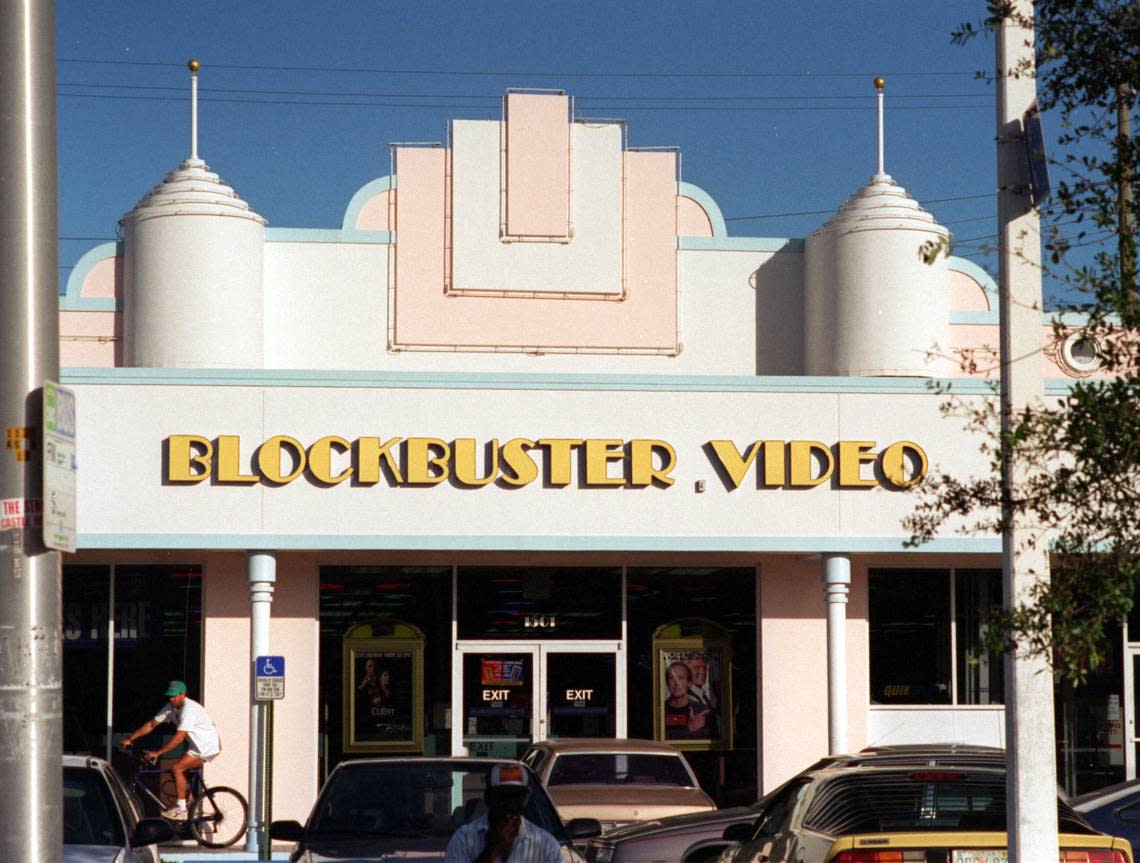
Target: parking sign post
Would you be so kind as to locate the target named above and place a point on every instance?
(268, 686)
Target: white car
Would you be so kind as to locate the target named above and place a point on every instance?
(101, 822)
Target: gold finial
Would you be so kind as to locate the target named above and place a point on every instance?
(193, 65)
(879, 84)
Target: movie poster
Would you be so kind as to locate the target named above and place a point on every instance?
(694, 696)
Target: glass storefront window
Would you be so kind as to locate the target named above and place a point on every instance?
(910, 636)
(379, 595)
(158, 636)
(912, 628)
(548, 602)
(981, 675)
(656, 595)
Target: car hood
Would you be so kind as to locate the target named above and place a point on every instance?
(90, 853)
(678, 822)
(626, 802)
(374, 849)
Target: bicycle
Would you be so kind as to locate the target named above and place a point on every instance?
(216, 816)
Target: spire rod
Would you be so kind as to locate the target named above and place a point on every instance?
(194, 66)
(879, 84)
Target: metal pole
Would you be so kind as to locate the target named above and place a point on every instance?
(1031, 804)
(110, 662)
(836, 583)
(31, 807)
(266, 851)
(261, 572)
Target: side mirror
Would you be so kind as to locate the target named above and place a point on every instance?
(286, 831)
(584, 828)
(741, 831)
(150, 831)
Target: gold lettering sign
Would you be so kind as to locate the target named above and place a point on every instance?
(518, 462)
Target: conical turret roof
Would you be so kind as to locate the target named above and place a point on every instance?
(882, 205)
(192, 189)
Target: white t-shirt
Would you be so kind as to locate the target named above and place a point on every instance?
(192, 718)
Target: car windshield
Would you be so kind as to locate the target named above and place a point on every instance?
(89, 816)
(415, 799)
(918, 801)
(618, 768)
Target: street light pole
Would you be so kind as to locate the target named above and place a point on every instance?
(1031, 804)
(31, 691)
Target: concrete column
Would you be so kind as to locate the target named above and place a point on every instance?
(261, 571)
(836, 584)
(1031, 804)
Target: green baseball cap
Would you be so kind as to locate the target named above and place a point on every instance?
(175, 687)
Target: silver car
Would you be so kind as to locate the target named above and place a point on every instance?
(380, 809)
(101, 822)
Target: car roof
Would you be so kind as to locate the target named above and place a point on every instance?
(834, 770)
(1100, 797)
(606, 744)
(956, 754)
(74, 760)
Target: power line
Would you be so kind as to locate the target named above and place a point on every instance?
(358, 70)
(833, 209)
(577, 97)
(496, 107)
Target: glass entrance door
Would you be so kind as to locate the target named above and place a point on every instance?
(508, 695)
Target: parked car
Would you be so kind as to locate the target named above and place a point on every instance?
(1114, 810)
(700, 838)
(617, 781)
(842, 814)
(100, 819)
(380, 808)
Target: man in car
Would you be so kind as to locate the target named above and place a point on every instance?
(190, 719)
(503, 835)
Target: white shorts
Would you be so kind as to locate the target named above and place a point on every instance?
(205, 759)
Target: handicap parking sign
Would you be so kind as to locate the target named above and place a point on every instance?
(269, 678)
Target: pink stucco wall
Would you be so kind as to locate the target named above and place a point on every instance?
(692, 220)
(373, 216)
(793, 665)
(537, 165)
(966, 294)
(646, 319)
(294, 634)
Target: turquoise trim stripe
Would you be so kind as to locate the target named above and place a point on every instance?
(71, 299)
(363, 195)
(515, 381)
(973, 316)
(716, 218)
(327, 235)
(533, 381)
(741, 244)
(482, 542)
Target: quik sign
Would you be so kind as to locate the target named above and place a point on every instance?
(269, 678)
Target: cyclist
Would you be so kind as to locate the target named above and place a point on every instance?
(191, 720)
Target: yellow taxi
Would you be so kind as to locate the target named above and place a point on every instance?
(901, 815)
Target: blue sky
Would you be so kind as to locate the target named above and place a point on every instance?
(770, 103)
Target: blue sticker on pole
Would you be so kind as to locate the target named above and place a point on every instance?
(271, 666)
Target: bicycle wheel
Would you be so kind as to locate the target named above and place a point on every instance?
(218, 817)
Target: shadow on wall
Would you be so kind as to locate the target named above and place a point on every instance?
(779, 314)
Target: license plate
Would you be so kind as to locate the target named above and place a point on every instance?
(981, 855)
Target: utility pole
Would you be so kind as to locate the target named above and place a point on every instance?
(1031, 802)
(31, 691)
